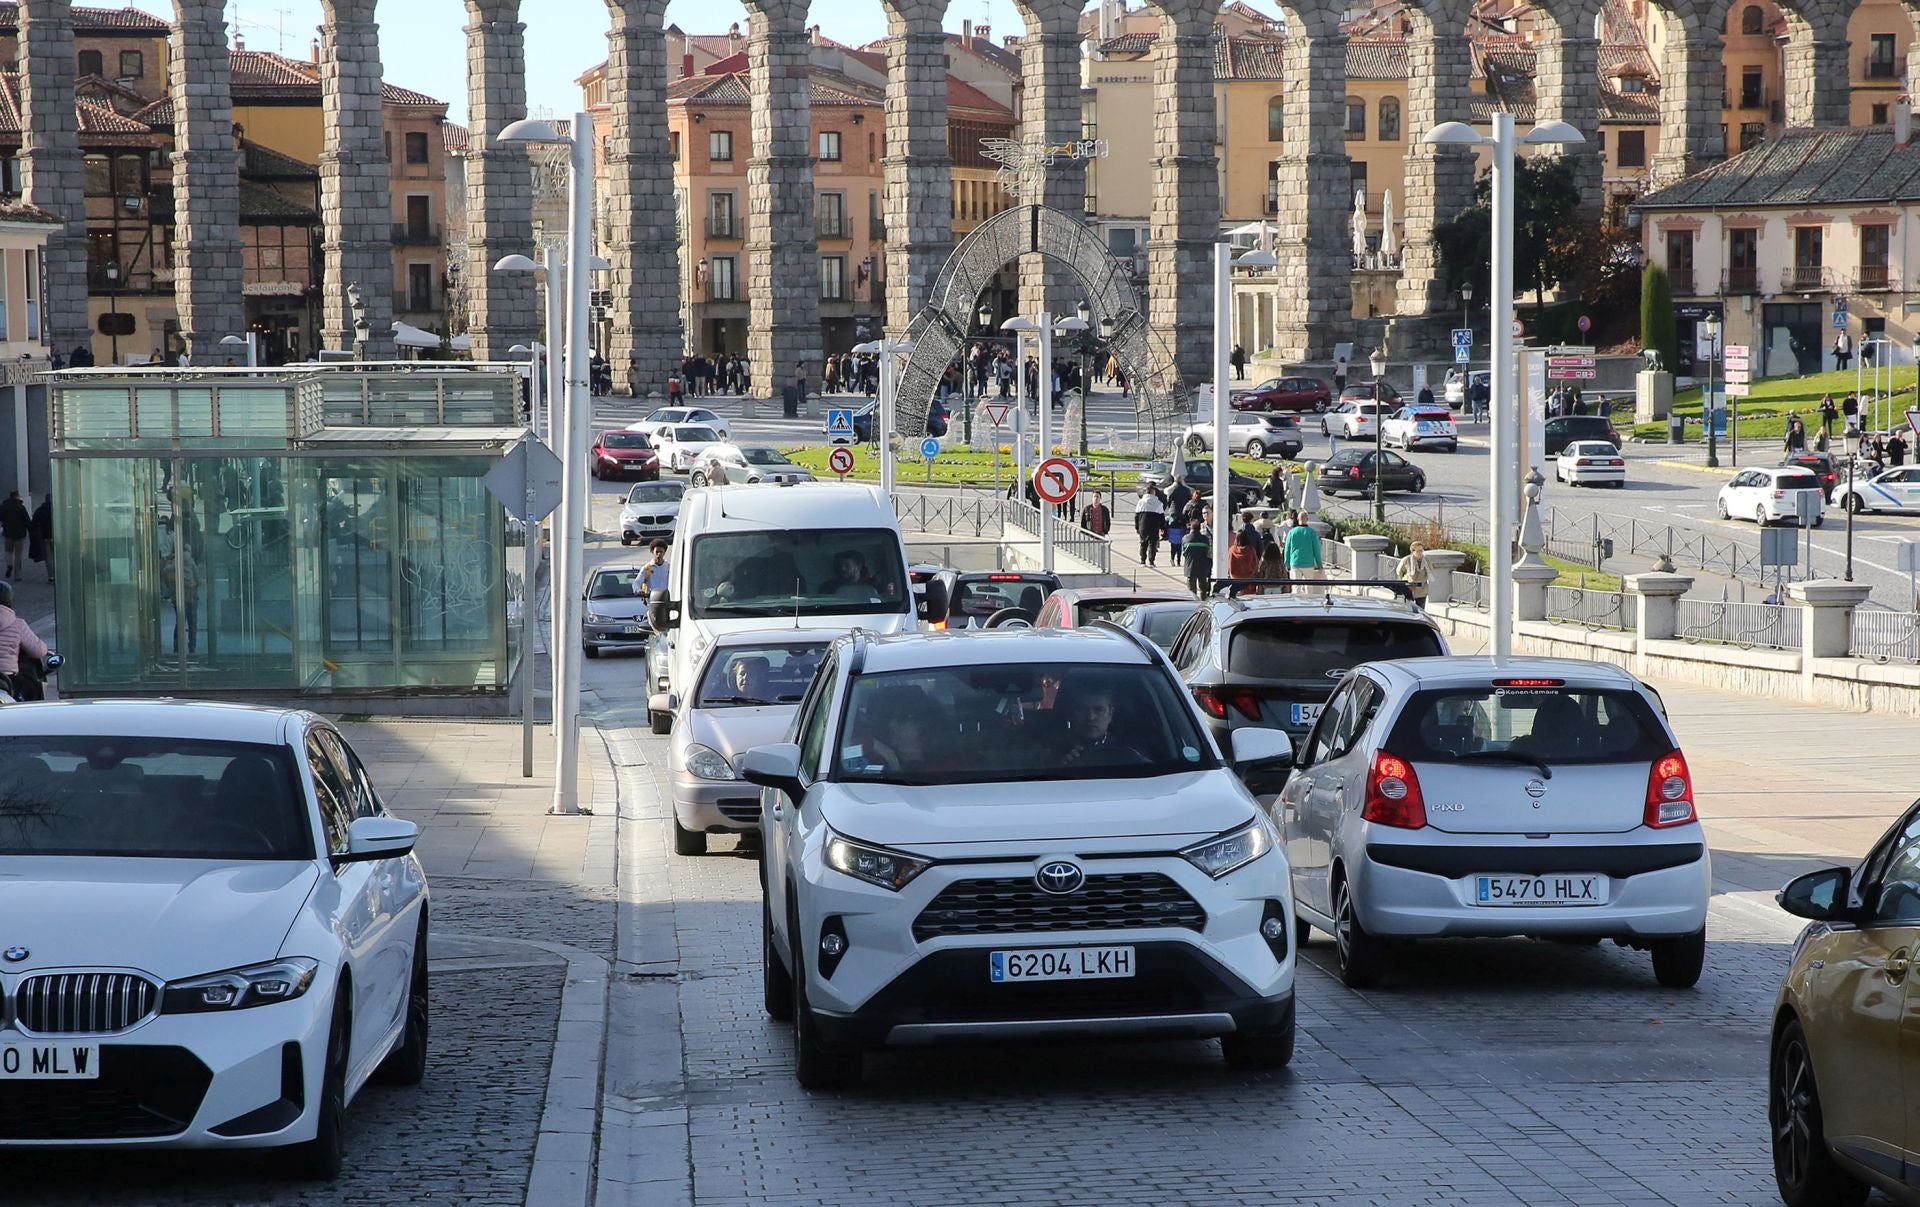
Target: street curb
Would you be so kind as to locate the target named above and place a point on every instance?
(1699, 469)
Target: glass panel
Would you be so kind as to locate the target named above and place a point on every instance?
(403, 403)
(344, 406)
(254, 415)
(356, 543)
(108, 593)
(449, 559)
(88, 416)
(241, 610)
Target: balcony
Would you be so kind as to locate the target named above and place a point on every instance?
(831, 226)
(1752, 100)
(1805, 278)
(1743, 280)
(1273, 201)
(416, 234)
(1882, 69)
(1872, 277)
(1681, 280)
(722, 227)
(876, 229)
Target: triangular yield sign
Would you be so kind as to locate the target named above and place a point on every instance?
(997, 413)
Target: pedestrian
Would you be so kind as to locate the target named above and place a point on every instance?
(1276, 489)
(1796, 437)
(1425, 397)
(1896, 450)
(40, 540)
(1877, 445)
(1250, 531)
(1478, 393)
(1239, 359)
(1302, 549)
(1243, 557)
(1339, 377)
(1827, 414)
(15, 523)
(800, 384)
(1178, 500)
(1150, 521)
(1272, 565)
(1842, 350)
(1196, 550)
(1095, 517)
(1412, 571)
(653, 575)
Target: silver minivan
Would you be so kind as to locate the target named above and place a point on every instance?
(1457, 797)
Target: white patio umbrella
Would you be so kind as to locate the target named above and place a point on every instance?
(1359, 224)
(1389, 247)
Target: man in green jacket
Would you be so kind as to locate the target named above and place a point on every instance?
(1302, 549)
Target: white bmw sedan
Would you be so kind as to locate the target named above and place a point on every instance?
(212, 934)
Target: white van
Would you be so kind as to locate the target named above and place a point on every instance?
(809, 556)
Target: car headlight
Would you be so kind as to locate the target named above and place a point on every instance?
(240, 988)
(1229, 852)
(706, 763)
(875, 865)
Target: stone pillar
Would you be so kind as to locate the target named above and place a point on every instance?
(1817, 81)
(1315, 236)
(1568, 88)
(1826, 630)
(354, 202)
(1050, 112)
(643, 244)
(1692, 91)
(1441, 563)
(1437, 181)
(1186, 188)
(783, 254)
(918, 202)
(53, 171)
(1529, 587)
(1658, 603)
(1367, 549)
(207, 279)
(501, 307)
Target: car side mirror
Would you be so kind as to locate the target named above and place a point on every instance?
(1261, 758)
(663, 615)
(933, 603)
(776, 767)
(1820, 896)
(667, 702)
(371, 838)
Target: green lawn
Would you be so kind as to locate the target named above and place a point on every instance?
(1763, 414)
(1571, 575)
(965, 467)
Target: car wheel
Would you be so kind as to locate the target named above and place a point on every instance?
(1803, 1168)
(1724, 513)
(1362, 957)
(699, 478)
(660, 722)
(1196, 446)
(1677, 962)
(776, 983)
(594, 472)
(1320, 408)
(320, 1159)
(590, 651)
(1261, 1050)
(1256, 449)
(688, 842)
(1856, 504)
(1819, 520)
(625, 541)
(407, 1064)
(816, 1065)
(1760, 515)
(1419, 485)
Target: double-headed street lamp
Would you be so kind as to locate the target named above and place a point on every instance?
(1504, 433)
(1223, 266)
(886, 427)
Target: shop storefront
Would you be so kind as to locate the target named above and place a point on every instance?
(320, 533)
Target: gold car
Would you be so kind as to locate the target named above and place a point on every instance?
(1844, 1033)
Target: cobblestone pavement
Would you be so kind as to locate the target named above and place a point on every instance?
(1486, 1072)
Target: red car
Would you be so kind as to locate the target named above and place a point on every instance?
(1298, 394)
(622, 454)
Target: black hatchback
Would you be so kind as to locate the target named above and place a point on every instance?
(1353, 470)
(1562, 430)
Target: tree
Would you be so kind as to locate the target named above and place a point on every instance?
(1602, 263)
(1656, 317)
(1545, 201)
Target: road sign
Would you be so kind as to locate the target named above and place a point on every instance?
(930, 447)
(1913, 422)
(1572, 374)
(1839, 320)
(1519, 328)
(1569, 362)
(1585, 324)
(1779, 547)
(1463, 337)
(1906, 556)
(1738, 389)
(1738, 364)
(841, 461)
(1462, 356)
(1739, 350)
(1840, 303)
(840, 425)
(1121, 467)
(1055, 479)
(529, 463)
(997, 413)
(1740, 376)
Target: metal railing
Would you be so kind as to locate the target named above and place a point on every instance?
(1068, 538)
(1336, 555)
(1681, 279)
(1472, 590)
(1885, 636)
(949, 514)
(1872, 276)
(1743, 280)
(1804, 278)
(1591, 610)
(1746, 625)
(416, 234)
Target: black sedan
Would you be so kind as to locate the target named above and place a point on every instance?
(1352, 470)
(1242, 491)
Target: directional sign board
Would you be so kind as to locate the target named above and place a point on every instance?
(1739, 389)
(840, 425)
(930, 447)
(1055, 479)
(1122, 467)
(529, 463)
(1738, 376)
(1570, 363)
(1463, 337)
(997, 413)
(841, 461)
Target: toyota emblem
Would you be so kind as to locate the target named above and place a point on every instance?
(1059, 876)
(1536, 789)
(16, 954)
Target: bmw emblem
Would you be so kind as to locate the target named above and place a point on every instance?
(1059, 876)
(15, 954)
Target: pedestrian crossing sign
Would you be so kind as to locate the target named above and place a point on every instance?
(1462, 355)
(840, 424)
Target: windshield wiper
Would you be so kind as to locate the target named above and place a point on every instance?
(1505, 756)
(737, 700)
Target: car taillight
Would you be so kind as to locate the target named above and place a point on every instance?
(1393, 794)
(939, 626)
(1354, 472)
(1584, 461)
(1217, 700)
(1669, 791)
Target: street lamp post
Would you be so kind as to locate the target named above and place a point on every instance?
(1504, 432)
(111, 271)
(1378, 362)
(575, 424)
(985, 318)
(1710, 327)
(1466, 306)
(1084, 313)
(884, 352)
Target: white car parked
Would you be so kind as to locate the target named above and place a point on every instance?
(214, 934)
(1543, 797)
(1770, 493)
(730, 464)
(1590, 463)
(1455, 392)
(681, 445)
(1895, 489)
(1017, 836)
(1354, 418)
(1413, 427)
(667, 416)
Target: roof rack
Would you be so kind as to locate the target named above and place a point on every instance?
(1234, 588)
(860, 638)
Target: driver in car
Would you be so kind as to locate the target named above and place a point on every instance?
(850, 575)
(1090, 733)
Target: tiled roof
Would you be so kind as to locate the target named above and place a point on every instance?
(91, 20)
(455, 137)
(259, 201)
(258, 75)
(99, 124)
(962, 95)
(829, 88)
(1127, 44)
(1628, 106)
(1247, 58)
(1376, 59)
(987, 51)
(265, 163)
(1857, 165)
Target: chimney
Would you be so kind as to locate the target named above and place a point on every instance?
(733, 39)
(240, 42)
(1902, 122)
(966, 33)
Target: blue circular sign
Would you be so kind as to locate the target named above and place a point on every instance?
(930, 448)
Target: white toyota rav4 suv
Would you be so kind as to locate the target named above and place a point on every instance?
(1017, 835)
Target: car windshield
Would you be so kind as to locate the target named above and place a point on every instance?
(807, 572)
(150, 798)
(1102, 609)
(1546, 722)
(1346, 456)
(1024, 721)
(743, 676)
(1591, 448)
(766, 456)
(625, 440)
(612, 584)
(1319, 650)
(1159, 625)
(656, 492)
(1433, 415)
(980, 598)
(694, 434)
